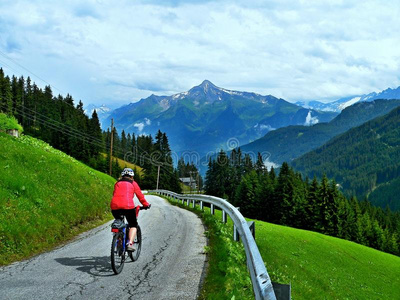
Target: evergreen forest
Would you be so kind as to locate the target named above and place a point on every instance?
(63, 124)
(289, 199)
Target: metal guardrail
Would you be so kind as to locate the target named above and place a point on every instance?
(262, 285)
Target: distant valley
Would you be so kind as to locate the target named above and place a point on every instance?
(288, 143)
(365, 160)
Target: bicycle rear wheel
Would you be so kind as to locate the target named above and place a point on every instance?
(117, 252)
(138, 245)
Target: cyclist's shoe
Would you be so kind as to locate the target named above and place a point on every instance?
(130, 247)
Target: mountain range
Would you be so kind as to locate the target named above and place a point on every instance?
(365, 160)
(288, 143)
(342, 103)
(102, 111)
(207, 117)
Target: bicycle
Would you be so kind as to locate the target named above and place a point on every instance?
(120, 229)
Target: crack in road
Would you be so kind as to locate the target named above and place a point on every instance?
(148, 268)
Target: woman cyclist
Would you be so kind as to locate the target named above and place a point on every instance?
(122, 203)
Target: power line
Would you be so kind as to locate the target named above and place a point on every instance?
(80, 136)
(60, 129)
(62, 124)
(66, 129)
(71, 130)
(9, 66)
(26, 69)
(15, 62)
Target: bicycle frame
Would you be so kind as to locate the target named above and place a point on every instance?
(122, 249)
(124, 230)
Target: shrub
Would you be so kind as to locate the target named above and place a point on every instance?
(8, 123)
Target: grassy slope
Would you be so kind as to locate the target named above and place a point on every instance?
(323, 267)
(125, 164)
(316, 265)
(46, 197)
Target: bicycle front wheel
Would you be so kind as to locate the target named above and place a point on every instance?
(117, 252)
(138, 245)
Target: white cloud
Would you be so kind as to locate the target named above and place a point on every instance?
(310, 120)
(139, 126)
(291, 49)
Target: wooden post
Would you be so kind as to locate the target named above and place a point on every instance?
(158, 176)
(198, 183)
(112, 140)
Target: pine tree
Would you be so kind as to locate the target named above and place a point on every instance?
(312, 208)
(266, 196)
(247, 195)
(5, 94)
(259, 165)
(283, 196)
(95, 130)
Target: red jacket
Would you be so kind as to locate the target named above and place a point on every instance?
(124, 191)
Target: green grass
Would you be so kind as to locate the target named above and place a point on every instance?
(9, 122)
(324, 267)
(46, 197)
(317, 266)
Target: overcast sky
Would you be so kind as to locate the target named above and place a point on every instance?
(121, 51)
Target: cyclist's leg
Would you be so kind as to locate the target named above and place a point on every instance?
(130, 215)
(117, 213)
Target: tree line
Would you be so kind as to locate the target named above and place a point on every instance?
(65, 126)
(362, 159)
(291, 200)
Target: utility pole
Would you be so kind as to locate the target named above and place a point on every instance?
(112, 140)
(158, 176)
(190, 184)
(198, 182)
(191, 173)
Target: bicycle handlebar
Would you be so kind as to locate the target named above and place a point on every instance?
(144, 207)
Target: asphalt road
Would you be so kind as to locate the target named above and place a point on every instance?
(170, 265)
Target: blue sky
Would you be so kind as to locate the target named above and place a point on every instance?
(117, 52)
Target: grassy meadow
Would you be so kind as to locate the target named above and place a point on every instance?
(317, 266)
(46, 197)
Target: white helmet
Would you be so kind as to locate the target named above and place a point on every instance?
(127, 171)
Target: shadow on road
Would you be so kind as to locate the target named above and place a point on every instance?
(96, 266)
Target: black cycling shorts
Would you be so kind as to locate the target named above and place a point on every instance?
(130, 215)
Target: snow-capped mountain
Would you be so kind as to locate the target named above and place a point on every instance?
(102, 111)
(342, 103)
(206, 117)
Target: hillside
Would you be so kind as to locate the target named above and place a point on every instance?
(360, 160)
(316, 265)
(288, 143)
(212, 115)
(46, 197)
(125, 164)
(324, 267)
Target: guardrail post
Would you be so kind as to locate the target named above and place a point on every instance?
(183, 200)
(212, 209)
(194, 203)
(236, 236)
(252, 228)
(201, 205)
(187, 202)
(224, 216)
